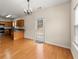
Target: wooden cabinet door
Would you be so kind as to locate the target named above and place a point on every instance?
(8, 24)
(20, 23)
(2, 23)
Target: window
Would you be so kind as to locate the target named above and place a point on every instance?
(76, 25)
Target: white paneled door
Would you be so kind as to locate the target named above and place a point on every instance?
(40, 30)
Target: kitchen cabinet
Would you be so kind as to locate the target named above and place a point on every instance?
(20, 23)
(8, 23)
(18, 35)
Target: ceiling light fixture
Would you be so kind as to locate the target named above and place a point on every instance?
(8, 16)
(28, 11)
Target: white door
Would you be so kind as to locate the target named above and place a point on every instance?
(40, 30)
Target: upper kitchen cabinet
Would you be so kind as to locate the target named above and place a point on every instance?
(20, 23)
(8, 23)
(2, 23)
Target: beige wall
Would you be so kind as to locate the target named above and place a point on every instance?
(57, 24)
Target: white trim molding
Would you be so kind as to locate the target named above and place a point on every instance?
(64, 46)
(74, 51)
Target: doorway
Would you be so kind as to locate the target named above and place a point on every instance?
(40, 30)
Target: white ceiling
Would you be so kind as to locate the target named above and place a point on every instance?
(16, 7)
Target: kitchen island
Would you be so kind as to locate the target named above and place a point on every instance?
(17, 34)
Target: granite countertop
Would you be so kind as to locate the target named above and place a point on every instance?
(18, 29)
(7, 28)
(13, 28)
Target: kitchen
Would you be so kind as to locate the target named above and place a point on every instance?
(14, 28)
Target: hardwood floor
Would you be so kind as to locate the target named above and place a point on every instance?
(28, 49)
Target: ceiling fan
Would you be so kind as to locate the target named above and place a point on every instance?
(28, 11)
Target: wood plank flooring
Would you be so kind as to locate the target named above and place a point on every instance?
(28, 49)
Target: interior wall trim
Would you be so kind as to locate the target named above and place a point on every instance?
(64, 46)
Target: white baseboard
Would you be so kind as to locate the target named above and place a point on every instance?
(25, 36)
(64, 46)
(74, 51)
